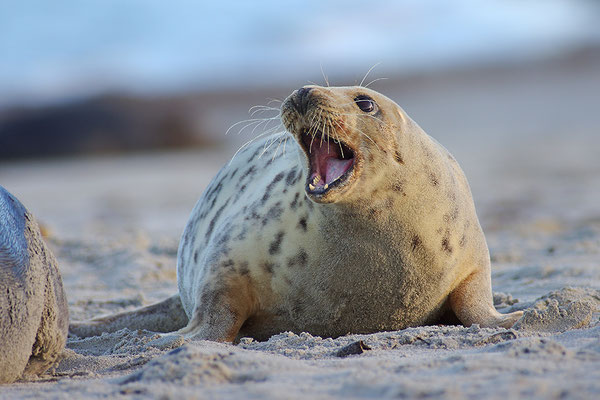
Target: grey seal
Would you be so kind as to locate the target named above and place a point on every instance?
(365, 223)
(34, 316)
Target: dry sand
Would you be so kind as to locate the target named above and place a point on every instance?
(115, 222)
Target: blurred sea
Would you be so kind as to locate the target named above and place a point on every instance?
(60, 50)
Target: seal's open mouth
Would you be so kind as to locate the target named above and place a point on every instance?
(331, 162)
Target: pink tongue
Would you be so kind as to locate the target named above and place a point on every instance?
(335, 168)
(326, 161)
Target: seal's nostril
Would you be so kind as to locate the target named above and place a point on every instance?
(303, 93)
(302, 98)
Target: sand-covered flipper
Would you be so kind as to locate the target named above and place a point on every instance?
(165, 316)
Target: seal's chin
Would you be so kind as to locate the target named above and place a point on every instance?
(331, 164)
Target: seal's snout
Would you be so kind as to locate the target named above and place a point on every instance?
(311, 115)
(302, 99)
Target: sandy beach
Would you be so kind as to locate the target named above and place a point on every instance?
(528, 143)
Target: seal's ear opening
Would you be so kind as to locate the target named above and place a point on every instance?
(400, 113)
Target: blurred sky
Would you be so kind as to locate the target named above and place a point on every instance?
(56, 50)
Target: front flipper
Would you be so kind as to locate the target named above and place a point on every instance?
(222, 309)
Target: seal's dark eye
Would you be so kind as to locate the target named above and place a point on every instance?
(365, 103)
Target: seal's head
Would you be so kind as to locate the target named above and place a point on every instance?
(343, 131)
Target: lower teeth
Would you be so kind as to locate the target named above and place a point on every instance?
(315, 181)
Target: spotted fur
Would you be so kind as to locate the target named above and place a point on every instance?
(396, 244)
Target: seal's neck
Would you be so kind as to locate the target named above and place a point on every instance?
(342, 219)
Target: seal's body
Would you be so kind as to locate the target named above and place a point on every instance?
(33, 308)
(365, 224)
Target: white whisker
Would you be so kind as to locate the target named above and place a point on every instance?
(368, 137)
(255, 123)
(269, 144)
(267, 125)
(365, 135)
(251, 120)
(261, 109)
(328, 134)
(270, 130)
(249, 142)
(323, 132)
(367, 74)
(338, 139)
(273, 100)
(281, 139)
(373, 81)
(285, 142)
(353, 102)
(364, 115)
(324, 76)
